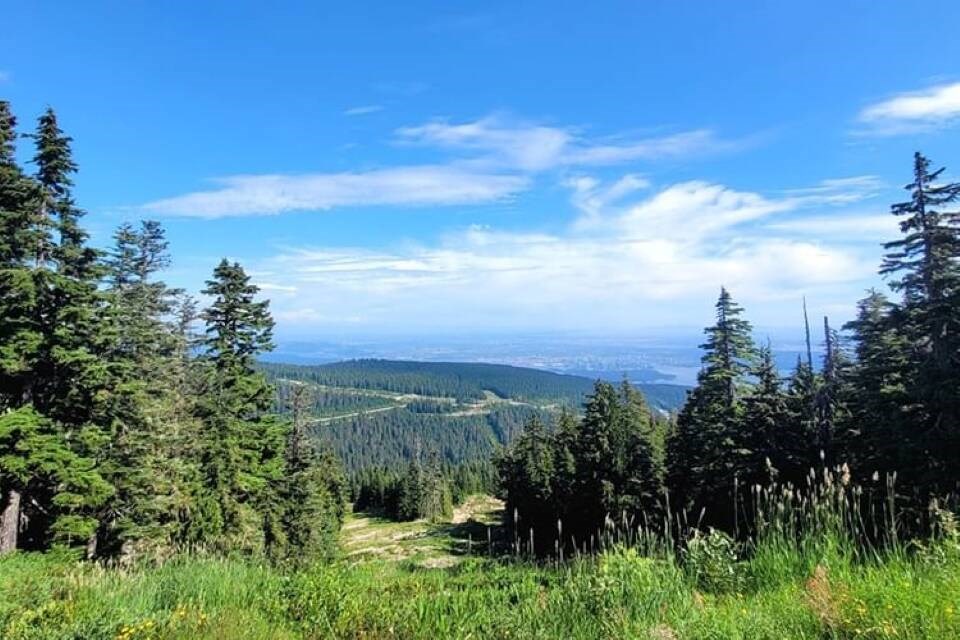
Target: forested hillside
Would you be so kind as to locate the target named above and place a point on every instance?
(388, 439)
(464, 381)
(375, 413)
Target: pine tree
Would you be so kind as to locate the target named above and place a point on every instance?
(242, 449)
(640, 481)
(312, 499)
(52, 336)
(527, 476)
(876, 437)
(834, 396)
(925, 264)
(149, 460)
(702, 471)
(19, 333)
(595, 451)
(411, 490)
(17, 193)
(765, 445)
(37, 465)
(69, 373)
(564, 485)
(423, 491)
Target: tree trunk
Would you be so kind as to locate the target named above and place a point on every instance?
(92, 544)
(10, 522)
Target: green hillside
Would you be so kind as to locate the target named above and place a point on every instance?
(376, 413)
(463, 381)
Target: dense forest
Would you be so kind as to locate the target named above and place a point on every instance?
(388, 439)
(131, 421)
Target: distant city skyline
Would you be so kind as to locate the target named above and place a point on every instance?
(422, 169)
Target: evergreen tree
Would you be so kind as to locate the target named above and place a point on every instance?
(527, 475)
(53, 338)
(639, 467)
(423, 491)
(17, 195)
(313, 493)
(876, 437)
(151, 462)
(596, 448)
(925, 266)
(702, 470)
(834, 396)
(802, 391)
(242, 449)
(565, 476)
(765, 445)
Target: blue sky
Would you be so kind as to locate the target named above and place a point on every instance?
(541, 166)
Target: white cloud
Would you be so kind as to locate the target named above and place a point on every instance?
(689, 211)
(837, 191)
(870, 227)
(280, 288)
(592, 198)
(913, 112)
(363, 110)
(528, 147)
(688, 143)
(495, 158)
(655, 261)
(535, 147)
(4, 76)
(407, 186)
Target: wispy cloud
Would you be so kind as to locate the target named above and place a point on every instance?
(492, 158)
(677, 244)
(363, 110)
(4, 76)
(591, 197)
(272, 287)
(527, 147)
(864, 227)
(536, 147)
(913, 112)
(403, 186)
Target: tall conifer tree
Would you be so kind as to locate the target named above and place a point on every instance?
(925, 266)
(701, 468)
(243, 447)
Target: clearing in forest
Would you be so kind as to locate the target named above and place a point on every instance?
(366, 536)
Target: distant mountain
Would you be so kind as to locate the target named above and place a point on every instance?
(464, 381)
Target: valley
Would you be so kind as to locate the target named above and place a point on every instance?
(375, 413)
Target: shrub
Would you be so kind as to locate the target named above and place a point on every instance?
(711, 561)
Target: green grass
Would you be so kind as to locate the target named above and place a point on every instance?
(418, 580)
(620, 594)
(366, 536)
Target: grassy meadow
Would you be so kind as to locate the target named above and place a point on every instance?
(436, 580)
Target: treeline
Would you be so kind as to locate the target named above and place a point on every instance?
(424, 489)
(882, 408)
(463, 381)
(123, 429)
